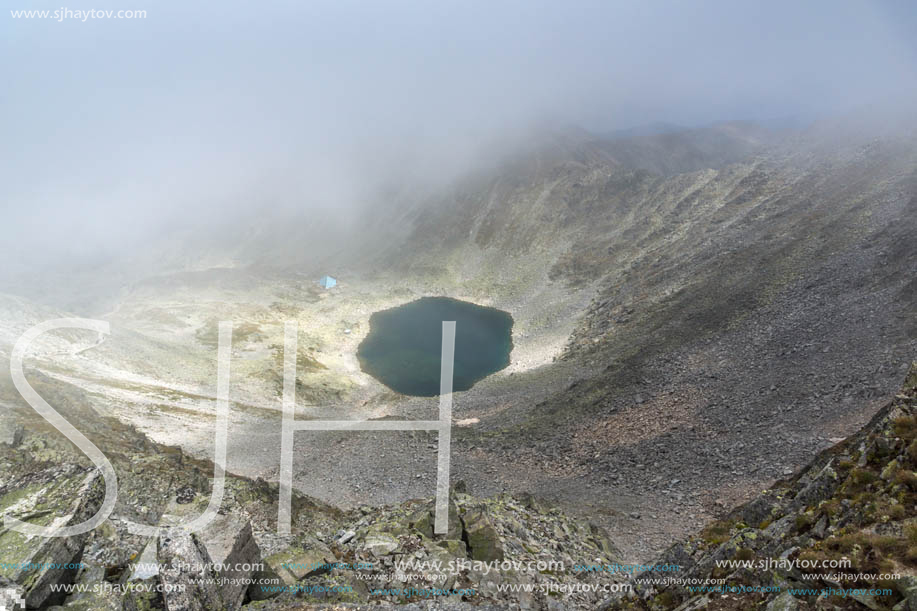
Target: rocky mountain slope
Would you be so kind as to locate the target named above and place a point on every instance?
(773, 290)
(856, 502)
(330, 556)
(697, 314)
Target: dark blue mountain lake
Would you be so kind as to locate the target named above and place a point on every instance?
(404, 344)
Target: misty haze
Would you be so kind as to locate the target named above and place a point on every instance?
(677, 241)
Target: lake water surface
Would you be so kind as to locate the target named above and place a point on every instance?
(404, 344)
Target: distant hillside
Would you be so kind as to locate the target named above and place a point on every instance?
(667, 150)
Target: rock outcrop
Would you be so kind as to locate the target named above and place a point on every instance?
(234, 551)
(10, 433)
(482, 537)
(186, 572)
(52, 498)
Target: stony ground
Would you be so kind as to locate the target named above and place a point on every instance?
(856, 502)
(330, 556)
(686, 333)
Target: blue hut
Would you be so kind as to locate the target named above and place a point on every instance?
(327, 282)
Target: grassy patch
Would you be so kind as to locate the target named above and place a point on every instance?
(906, 427)
(717, 532)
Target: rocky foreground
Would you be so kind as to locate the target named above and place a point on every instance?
(856, 501)
(331, 557)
